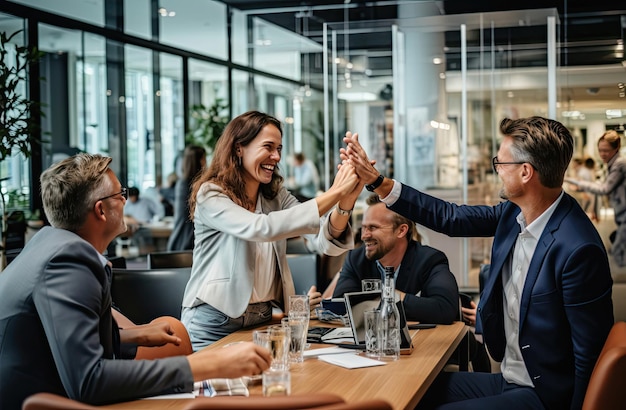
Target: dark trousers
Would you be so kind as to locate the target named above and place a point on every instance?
(480, 391)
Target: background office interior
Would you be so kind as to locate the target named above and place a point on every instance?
(424, 83)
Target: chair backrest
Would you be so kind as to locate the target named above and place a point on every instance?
(49, 401)
(167, 350)
(303, 269)
(606, 386)
(117, 261)
(297, 245)
(145, 294)
(372, 404)
(170, 259)
(297, 401)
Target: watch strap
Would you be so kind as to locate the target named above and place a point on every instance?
(343, 212)
(371, 187)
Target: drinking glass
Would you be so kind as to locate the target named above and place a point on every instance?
(261, 337)
(371, 333)
(368, 285)
(299, 305)
(276, 383)
(298, 326)
(280, 339)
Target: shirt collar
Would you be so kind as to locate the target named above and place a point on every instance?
(538, 225)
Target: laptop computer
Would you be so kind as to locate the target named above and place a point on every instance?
(358, 302)
(355, 304)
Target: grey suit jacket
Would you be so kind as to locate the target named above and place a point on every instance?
(57, 334)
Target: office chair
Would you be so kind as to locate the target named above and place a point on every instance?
(167, 350)
(297, 245)
(297, 401)
(50, 401)
(372, 404)
(117, 261)
(170, 259)
(606, 385)
(145, 294)
(303, 269)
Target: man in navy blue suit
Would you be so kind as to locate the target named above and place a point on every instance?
(546, 307)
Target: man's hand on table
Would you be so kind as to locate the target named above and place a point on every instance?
(229, 362)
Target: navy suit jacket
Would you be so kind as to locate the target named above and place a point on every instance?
(423, 269)
(566, 309)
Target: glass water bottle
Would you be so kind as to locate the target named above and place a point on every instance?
(389, 320)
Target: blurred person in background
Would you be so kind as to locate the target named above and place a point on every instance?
(614, 186)
(306, 179)
(193, 162)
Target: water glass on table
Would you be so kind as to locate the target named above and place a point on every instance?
(370, 318)
(261, 337)
(369, 285)
(280, 340)
(276, 383)
(299, 305)
(299, 326)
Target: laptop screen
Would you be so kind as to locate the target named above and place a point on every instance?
(356, 304)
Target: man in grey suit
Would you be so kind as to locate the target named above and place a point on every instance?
(57, 332)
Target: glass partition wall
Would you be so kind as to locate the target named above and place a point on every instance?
(425, 93)
(432, 120)
(128, 90)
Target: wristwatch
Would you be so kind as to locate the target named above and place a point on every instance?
(343, 212)
(371, 187)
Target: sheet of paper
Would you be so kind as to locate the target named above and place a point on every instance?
(173, 396)
(338, 333)
(350, 360)
(326, 350)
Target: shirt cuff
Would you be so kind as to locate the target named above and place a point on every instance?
(394, 194)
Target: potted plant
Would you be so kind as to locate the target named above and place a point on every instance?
(207, 124)
(18, 129)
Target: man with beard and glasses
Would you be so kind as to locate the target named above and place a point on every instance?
(425, 285)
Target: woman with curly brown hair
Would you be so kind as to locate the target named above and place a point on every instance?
(243, 216)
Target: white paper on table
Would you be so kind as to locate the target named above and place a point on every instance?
(325, 351)
(339, 341)
(173, 396)
(350, 360)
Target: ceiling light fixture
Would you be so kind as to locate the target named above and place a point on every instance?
(163, 12)
(356, 96)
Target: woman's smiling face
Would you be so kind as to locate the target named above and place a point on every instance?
(262, 155)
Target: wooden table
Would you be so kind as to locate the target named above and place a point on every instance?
(402, 383)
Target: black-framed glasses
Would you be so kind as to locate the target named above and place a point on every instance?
(123, 193)
(495, 163)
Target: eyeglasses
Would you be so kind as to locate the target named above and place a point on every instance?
(374, 228)
(495, 163)
(123, 193)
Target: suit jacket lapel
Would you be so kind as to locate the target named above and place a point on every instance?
(543, 245)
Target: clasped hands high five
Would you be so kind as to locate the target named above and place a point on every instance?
(355, 156)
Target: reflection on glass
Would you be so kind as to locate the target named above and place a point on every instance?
(172, 123)
(91, 11)
(139, 102)
(203, 27)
